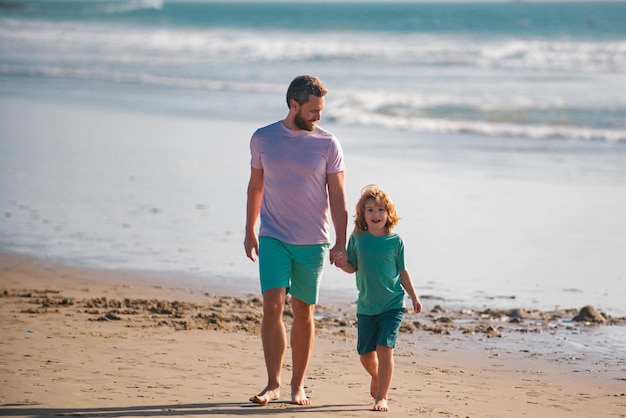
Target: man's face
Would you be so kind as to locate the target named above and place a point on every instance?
(309, 113)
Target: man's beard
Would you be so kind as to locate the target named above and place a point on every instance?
(303, 124)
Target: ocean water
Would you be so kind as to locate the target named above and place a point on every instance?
(536, 70)
(498, 128)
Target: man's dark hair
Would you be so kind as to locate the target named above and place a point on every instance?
(303, 86)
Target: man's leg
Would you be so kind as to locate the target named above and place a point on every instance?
(274, 341)
(302, 337)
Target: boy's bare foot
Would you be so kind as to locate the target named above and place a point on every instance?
(381, 405)
(298, 397)
(266, 396)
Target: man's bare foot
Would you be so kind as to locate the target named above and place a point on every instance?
(374, 387)
(381, 405)
(298, 397)
(266, 396)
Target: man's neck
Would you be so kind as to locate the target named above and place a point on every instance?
(289, 124)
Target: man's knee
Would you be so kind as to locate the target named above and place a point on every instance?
(302, 311)
(274, 302)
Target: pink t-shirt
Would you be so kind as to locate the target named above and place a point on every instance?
(295, 164)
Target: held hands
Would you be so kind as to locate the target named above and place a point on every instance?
(340, 260)
(338, 256)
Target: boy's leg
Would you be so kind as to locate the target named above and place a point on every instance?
(370, 363)
(385, 374)
(302, 337)
(388, 327)
(274, 341)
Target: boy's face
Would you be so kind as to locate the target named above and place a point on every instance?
(375, 217)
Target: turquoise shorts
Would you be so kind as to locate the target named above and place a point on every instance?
(379, 329)
(297, 268)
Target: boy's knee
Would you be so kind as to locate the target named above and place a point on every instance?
(384, 351)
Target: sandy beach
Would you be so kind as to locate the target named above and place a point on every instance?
(497, 127)
(83, 342)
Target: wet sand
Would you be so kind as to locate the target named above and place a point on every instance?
(84, 342)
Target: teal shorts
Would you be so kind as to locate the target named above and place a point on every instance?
(297, 268)
(379, 329)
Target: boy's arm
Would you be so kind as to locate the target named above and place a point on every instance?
(348, 267)
(407, 284)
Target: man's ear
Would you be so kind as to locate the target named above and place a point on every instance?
(293, 104)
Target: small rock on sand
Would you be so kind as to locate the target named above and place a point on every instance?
(589, 314)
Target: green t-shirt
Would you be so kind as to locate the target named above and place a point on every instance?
(379, 261)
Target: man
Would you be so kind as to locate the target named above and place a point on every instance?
(297, 173)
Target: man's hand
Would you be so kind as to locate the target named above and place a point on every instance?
(251, 244)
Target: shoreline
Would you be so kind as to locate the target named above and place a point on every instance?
(142, 344)
(122, 200)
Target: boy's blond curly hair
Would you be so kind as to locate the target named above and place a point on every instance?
(381, 198)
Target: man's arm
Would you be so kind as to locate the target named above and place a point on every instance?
(253, 210)
(338, 213)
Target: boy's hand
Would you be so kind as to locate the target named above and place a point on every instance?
(417, 306)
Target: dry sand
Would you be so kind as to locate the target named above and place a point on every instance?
(83, 342)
